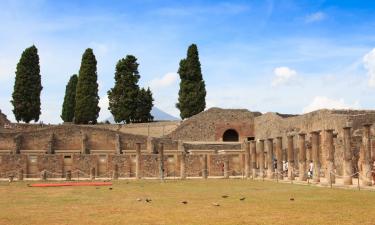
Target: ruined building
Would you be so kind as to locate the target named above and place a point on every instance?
(216, 143)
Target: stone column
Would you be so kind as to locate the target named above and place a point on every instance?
(247, 159)
(92, 173)
(253, 155)
(330, 151)
(226, 167)
(84, 145)
(279, 157)
(348, 164)
(261, 158)
(205, 168)
(115, 172)
(302, 176)
(50, 145)
(315, 155)
(181, 149)
(270, 167)
(151, 145)
(17, 142)
(366, 161)
(20, 174)
(118, 144)
(161, 161)
(290, 157)
(138, 161)
(68, 175)
(43, 175)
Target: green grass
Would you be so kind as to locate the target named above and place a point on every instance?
(266, 203)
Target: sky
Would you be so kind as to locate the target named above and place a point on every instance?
(287, 56)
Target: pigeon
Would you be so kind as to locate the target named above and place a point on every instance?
(225, 196)
(139, 199)
(184, 202)
(291, 199)
(215, 204)
(148, 200)
(243, 198)
(110, 188)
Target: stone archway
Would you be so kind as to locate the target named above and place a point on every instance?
(231, 135)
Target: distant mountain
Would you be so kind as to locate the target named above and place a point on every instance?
(161, 115)
(157, 113)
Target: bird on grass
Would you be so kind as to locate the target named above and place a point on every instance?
(184, 202)
(242, 199)
(139, 199)
(148, 200)
(215, 204)
(110, 188)
(224, 196)
(291, 199)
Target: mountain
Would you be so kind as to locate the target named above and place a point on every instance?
(157, 113)
(161, 115)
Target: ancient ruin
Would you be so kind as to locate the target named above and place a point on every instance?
(215, 143)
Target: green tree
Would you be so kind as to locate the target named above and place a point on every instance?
(192, 93)
(87, 99)
(123, 96)
(144, 106)
(69, 104)
(27, 87)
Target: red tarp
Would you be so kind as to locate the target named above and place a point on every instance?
(71, 184)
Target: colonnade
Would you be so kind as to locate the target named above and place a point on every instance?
(320, 150)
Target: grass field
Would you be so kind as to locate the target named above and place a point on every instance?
(265, 203)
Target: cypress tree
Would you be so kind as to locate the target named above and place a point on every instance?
(87, 99)
(27, 87)
(123, 96)
(144, 106)
(69, 104)
(192, 93)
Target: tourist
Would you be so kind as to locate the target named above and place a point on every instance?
(311, 168)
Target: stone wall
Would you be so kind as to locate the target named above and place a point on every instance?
(212, 123)
(3, 119)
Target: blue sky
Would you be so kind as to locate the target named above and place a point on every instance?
(285, 56)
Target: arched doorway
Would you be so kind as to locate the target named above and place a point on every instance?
(230, 135)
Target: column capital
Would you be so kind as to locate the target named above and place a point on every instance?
(329, 130)
(302, 134)
(315, 132)
(367, 124)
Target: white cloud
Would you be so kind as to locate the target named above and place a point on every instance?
(283, 75)
(323, 102)
(165, 81)
(315, 17)
(103, 104)
(369, 64)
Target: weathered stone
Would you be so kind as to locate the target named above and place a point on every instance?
(247, 158)
(330, 151)
(302, 176)
(226, 167)
(290, 157)
(138, 161)
(366, 156)
(253, 155)
(315, 155)
(205, 167)
(270, 166)
(161, 160)
(68, 175)
(261, 158)
(348, 165)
